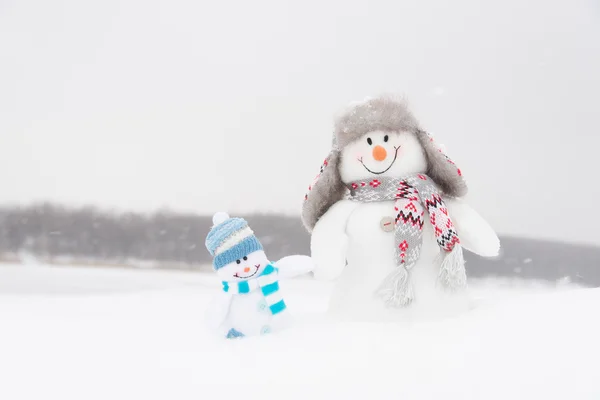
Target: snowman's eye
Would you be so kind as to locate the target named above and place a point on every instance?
(238, 261)
(369, 141)
(245, 258)
(386, 138)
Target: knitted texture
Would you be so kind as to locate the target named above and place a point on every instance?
(231, 240)
(412, 197)
(237, 252)
(268, 284)
(219, 233)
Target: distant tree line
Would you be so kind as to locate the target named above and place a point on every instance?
(49, 232)
(55, 234)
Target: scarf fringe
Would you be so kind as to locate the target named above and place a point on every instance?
(453, 275)
(397, 290)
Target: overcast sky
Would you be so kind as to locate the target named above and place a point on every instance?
(202, 105)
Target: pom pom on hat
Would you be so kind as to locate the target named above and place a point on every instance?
(219, 218)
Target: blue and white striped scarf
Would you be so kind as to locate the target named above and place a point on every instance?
(268, 284)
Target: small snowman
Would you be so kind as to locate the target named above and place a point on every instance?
(250, 302)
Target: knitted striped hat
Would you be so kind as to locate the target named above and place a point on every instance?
(230, 239)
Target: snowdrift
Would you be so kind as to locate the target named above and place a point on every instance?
(85, 333)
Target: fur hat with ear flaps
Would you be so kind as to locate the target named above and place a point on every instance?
(384, 113)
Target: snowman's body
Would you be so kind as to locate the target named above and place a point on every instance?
(370, 258)
(249, 314)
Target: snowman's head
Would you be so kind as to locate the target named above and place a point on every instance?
(378, 137)
(382, 153)
(248, 267)
(238, 255)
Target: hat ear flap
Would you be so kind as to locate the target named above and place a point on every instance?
(441, 168)
(327, 189)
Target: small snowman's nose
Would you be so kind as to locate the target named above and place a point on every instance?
(247, 269)
(379, 153)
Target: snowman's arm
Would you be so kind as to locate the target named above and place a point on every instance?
(217, 310)
(329, 241)
(475, 234)
(292, 266)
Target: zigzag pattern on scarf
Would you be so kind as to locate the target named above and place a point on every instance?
(409, 218)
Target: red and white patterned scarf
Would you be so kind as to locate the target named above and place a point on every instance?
(413, 196)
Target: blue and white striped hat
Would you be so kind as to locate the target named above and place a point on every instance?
(230, 239)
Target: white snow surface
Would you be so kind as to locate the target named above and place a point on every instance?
(94, 333)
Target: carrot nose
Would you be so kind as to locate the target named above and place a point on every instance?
(379, 153)
(247, 269)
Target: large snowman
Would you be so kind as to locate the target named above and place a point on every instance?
(387, 220)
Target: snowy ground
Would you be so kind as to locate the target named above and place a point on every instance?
(81, 333)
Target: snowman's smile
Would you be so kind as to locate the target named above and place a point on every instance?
(237, 275)
(385, 170)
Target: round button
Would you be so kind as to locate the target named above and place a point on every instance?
(387, 224)
(262, 305)
(265, 330)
